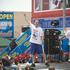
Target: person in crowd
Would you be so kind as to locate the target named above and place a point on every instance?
(1, 65)
(6, 62)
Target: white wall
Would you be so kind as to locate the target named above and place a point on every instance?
(16, 5)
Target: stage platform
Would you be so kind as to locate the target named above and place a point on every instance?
(57, 66)
(42, 66)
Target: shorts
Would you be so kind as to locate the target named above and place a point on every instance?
(36, 48)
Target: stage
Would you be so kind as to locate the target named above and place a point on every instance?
(42, 66)
(57, 66)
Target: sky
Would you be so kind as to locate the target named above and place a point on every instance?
(16, 5)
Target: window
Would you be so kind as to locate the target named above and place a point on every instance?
(41, 5)
(38, 5)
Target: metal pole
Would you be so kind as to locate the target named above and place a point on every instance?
(64, 14)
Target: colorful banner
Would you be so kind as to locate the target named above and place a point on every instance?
(6, 24)
(46, 23)
(22, 44)
(21, 48)
(22, 37)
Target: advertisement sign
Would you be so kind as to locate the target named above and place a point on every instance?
(6, 24)
(22, 44)
(46, 23)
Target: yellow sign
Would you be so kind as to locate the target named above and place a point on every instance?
(6, 16)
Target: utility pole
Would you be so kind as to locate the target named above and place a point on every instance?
(64, 14)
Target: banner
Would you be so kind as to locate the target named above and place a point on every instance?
(22, 44)
(6, 24)
(46, 23)
(21, 48)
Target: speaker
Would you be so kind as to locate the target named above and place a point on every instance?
(51, 41)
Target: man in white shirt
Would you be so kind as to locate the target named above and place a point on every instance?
(36, 40)
(37, 33)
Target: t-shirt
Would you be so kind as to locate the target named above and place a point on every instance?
(36, 34)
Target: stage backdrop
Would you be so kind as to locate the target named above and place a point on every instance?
(6, 24)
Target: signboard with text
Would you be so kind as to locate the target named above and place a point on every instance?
(6, 24)
(46, 23)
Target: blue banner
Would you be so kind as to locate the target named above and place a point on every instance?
(22, 44)
(21, 48)
(22, 37)
(6, 24)
(46, 23)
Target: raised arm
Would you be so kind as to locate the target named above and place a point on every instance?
(27, 19)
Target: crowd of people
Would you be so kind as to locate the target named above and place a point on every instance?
(9, 63)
